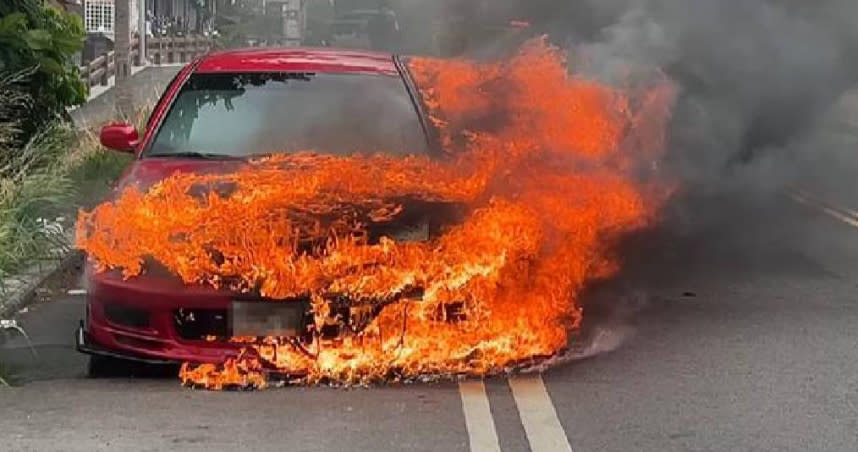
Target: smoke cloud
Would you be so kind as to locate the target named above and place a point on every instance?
(767, 103)
(763, 83)
(757, 79)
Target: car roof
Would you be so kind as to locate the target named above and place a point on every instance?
(298, 59)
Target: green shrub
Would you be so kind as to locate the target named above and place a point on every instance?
(38, 38)
(92, 169)
(57, 171)
(13, 100)
(34, 192)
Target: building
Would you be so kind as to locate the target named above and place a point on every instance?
(99, 16)
(181, 17)
(163, 18)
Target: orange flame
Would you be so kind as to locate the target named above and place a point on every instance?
(548, 166)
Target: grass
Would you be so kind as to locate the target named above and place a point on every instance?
(46, 180)
(43, 185)
(93, 169)
(34, 192)
(32, 183)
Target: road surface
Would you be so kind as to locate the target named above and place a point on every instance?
(739, 336)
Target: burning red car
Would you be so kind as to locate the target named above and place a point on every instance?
(346, 216)
(219, 111)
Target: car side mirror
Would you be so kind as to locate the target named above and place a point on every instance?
(120, 137)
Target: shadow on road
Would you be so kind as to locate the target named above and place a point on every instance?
(51, 327)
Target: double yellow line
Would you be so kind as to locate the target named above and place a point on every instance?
(843, 214)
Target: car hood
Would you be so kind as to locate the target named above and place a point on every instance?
(143, 173)
(411, 224)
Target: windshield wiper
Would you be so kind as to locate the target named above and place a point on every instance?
(196, 155)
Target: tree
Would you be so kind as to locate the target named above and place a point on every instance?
(38, 38)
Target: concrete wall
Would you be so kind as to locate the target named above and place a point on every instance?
(147, 86)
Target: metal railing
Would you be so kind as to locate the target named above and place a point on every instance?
(100, 69)
(167, 50)
(160, 50)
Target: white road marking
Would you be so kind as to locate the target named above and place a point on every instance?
(810, 196)
(538, 416)
(845, 215)
(478, 417)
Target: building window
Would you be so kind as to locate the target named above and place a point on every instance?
(98, 16)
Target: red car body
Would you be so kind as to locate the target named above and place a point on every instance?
(138, 318)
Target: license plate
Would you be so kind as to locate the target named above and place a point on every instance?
(267, 318)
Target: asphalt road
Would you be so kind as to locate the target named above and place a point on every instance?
(741, 335)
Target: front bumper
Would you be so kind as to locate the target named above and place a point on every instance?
(136, 319)
(84, 345)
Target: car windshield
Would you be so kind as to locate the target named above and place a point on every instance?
(241, 115)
